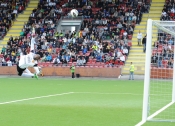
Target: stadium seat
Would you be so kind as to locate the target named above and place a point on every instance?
(165, 63)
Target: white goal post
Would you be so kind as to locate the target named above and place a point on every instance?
(159, 80)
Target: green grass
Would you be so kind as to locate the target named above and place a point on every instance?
(93, 102)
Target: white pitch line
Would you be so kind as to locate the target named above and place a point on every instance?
(106, 93)
(26, 99)
(117, 93)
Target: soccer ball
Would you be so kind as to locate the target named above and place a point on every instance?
(74, 13)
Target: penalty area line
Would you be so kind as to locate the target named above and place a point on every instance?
(27, 99)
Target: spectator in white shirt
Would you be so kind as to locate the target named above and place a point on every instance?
(86, 29)
(56, 61)
(84, 34)
(119, 25)
(125, 34)
(125, 51)
(105, 21)
(32, 15)
(163, 13)
(119, 53)
(172, 10)
(44, 34)
(79, 62)
(52, 25)
(134, 18)
(9, 63)
(50, 21)
(65, 39)
(60, 10)
(139, 37)
(115, 13)
(122, 58)
(85, 41)
(131, 14)
(100, 46)
(73, 40)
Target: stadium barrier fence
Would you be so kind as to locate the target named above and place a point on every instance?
(111, 72)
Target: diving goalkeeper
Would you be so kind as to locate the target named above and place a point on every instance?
(29, 60)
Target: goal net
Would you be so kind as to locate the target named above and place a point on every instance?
(159, 82)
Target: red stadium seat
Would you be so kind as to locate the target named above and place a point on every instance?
(165, 63)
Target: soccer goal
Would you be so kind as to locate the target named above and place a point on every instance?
(159, 82)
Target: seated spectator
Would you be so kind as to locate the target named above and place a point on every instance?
(119, 53)
(9, 63)
(59, 10)
(125, 34)
(21, 8)
(67, 57)
(83, 60)
(159, 60)
(99, 58)
(13, 53)
(111, 62)
(94, 48)
(79, 62)
(7, 58)
(3, 50)
(85, 49)
(22, 33)
(154, 59)
(49, 50)
(13, 60)
(134, 18)
(48, 58)
(125, 51)
(170, 63)
(107, 58)
(43, 59)
(64, 62)
(122, 58)
(1, 58)
(4, 62)
(56, 61)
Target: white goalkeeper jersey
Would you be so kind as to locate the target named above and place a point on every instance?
(27, 61)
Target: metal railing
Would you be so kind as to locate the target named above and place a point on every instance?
(71, 18)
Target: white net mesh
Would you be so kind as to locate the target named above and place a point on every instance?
(161, 82)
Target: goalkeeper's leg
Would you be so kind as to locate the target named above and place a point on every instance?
(29, 74)
(38, 71)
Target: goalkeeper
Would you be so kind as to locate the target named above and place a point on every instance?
(29, 60)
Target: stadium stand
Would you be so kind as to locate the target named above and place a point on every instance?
(8, 11)
(163, 51)
(103, 40)
(137, 56)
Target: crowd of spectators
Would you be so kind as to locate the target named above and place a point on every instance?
(103, 38)
(163, 52)
(9, 9)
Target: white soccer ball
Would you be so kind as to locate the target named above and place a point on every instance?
(74, 13)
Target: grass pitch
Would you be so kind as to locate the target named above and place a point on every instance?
(71, 102)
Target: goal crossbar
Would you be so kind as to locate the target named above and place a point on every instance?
(162, 27)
